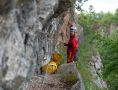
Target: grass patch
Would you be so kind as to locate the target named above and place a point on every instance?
(85, 52)
(62, 51)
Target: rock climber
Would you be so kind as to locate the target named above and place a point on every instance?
(72, 46)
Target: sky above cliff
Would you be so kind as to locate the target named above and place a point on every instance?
(101, 5)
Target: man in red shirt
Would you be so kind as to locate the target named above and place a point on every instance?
(72, 46)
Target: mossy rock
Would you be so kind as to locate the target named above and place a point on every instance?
(71, 78)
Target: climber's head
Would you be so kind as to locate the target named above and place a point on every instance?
(73, 31)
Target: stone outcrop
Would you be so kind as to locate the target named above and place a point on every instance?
(113, 27)
(71, 69)
(96, 66)
(29, 35)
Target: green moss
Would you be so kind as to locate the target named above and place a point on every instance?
(71, 78)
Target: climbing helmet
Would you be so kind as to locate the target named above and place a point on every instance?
(73, 29)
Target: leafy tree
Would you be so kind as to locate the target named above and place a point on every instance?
(107, 19)
(107, 43)
(116, 17)
(86, 20)
(109, 55)
(79, 3)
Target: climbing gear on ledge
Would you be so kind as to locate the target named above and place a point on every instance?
(53, 64)
(51, 67)
(57, 56)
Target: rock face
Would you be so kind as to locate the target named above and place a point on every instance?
(29, 35)
(96, 66)
(113, 27)
(65, 30)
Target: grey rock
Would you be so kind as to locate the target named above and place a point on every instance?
(96, 69)
(27, 38)
(70, 68)
(1, 88)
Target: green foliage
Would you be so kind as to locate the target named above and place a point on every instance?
(64, 56)
(107, 19)
(97, 37)
(84, 53)
(116, 17)
(79, 3)
(109, 55)
(86, 20)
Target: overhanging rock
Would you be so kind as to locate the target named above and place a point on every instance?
(27, 27)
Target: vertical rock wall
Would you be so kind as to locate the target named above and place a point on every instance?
(29, 34)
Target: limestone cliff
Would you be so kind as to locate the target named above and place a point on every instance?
(96, 66)
(29, 35)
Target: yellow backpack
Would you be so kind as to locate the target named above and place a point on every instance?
(53, 64)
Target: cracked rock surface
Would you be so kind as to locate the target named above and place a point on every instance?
(29, 35)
